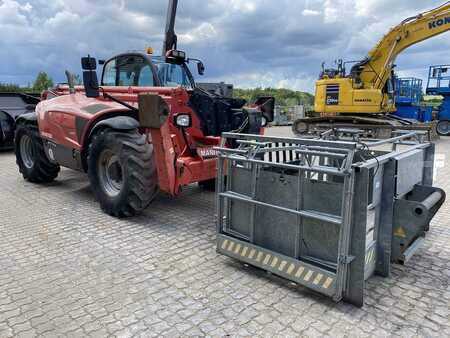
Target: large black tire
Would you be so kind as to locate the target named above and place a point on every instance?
(31, 159)
(443, 128)
(122, 172)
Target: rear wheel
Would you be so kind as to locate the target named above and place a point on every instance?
(443, 128)
(31, 158)
(122, 172)
(300, 128)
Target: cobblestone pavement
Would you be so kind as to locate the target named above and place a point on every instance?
(66, 269)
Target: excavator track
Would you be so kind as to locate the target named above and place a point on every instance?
(379, 127)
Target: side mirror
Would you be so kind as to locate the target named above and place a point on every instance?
(88, 63)
(201, 68)
(101, 62)
(90, 78)
(267, 106)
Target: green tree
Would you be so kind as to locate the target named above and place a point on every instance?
(42, 82)
(283, 97)
(9, 87)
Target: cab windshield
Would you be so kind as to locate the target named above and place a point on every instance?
(172, 75)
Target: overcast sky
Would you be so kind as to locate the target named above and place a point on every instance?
(249, 43)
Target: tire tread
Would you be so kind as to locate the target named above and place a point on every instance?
(137, 156)
(43, 170)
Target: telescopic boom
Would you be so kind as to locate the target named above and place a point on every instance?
(170, 39)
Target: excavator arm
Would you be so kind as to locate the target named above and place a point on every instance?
(375, 71)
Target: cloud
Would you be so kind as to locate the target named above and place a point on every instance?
(245, 42)
(310, 12)
(200, 34)
(244, 5)
(13, 13)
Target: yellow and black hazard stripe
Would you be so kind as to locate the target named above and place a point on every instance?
(302, 273)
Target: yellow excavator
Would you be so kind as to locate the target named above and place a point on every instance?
(364, 97)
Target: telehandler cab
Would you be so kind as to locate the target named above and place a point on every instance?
(145, 127)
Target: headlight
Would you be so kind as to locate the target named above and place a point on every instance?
(176, 54)
(183, 120)
(263, 121)
(179, 54)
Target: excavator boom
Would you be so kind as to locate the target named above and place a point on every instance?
(411, 31)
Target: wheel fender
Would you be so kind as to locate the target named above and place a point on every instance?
(28, 118)
(4, 115)
(7, 125)
(123, 123)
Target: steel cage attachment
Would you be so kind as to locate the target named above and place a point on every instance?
(323, 213)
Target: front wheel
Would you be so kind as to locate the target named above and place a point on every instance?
(122, 172)
(31, 159)
(443, 128)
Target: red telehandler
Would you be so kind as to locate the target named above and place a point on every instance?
(145, 127)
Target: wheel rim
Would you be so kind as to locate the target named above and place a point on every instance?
(301, 127)
(443, 128)
(110, 173)
(27, 151)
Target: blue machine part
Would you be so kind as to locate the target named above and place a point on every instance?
(408, 96)
(439, 84)
(408, 112)
(439, 80)
(444, 113)
(426, 114)
(408, 91)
